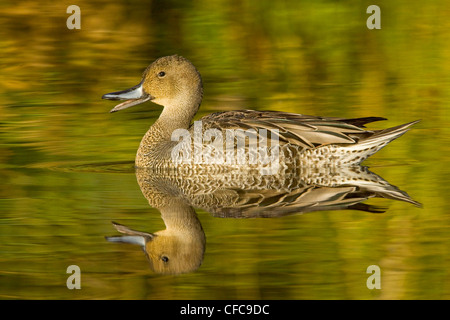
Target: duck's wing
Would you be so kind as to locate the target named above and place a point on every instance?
(301, 130)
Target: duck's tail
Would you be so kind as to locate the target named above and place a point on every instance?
(367, 146)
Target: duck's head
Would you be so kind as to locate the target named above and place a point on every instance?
(168, 251)
(171, 81)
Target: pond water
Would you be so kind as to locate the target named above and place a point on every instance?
(66, 163)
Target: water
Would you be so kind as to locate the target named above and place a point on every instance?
(66, 164)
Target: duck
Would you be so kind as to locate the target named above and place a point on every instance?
(297, 140)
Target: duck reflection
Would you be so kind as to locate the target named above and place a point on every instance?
(241, 194)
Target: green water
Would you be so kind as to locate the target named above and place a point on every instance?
(66, 164)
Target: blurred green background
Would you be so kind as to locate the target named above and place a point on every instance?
(66, 164)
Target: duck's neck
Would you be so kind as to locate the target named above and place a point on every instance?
(156, 143)
(179, 217)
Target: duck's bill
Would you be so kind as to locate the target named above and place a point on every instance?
(128, 239)
(133, 96)
(131, 236)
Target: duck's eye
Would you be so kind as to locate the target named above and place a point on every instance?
(164, 258)
(161, 74)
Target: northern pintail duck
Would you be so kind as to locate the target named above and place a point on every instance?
(303, 140)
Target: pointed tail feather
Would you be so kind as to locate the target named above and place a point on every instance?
(388, 134)
(367, 146)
